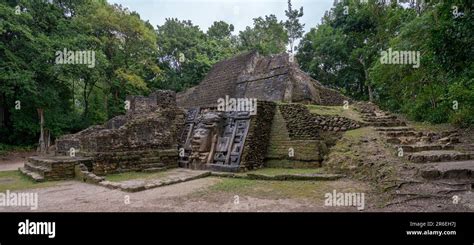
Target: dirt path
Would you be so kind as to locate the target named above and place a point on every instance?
(14, 160)
(193, 196)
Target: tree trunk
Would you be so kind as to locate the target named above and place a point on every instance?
(106, 92)
(86, 102)
(366, 76)
(2, 110)
(41, 144)
(371, 97)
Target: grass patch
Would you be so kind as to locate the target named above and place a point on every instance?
(335, 111)
(270, 189)
(14, 180)
(280, 171)
(426, 126)
(134, 175)
(309, 190)
(357, 134)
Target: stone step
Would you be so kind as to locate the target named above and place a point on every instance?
(152, 165)
(153, 170)
(38, 161)
(33, 175)
(372, 117)
(150, 160)
(439, 156)
(405, 140)
(449, 170)
(380, 119)
(420, 148)
(54, 167)
(138, 154)
(403, 134)
(390, 129)
(387, 124)
(286, 145)
(36, 168)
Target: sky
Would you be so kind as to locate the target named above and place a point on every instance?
(240, 13)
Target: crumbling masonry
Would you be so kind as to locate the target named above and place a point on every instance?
(165, 130)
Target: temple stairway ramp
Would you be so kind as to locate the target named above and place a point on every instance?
(439, 159)
(306, 152)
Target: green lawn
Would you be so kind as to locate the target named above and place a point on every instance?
(271, 189)
(14, 180)
(313, 190)
(309, 190)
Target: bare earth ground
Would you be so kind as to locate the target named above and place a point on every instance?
(202, 195)
(14, 160)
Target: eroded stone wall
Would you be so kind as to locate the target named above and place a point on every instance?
(302, 124)
(145, 137)
(258, 137)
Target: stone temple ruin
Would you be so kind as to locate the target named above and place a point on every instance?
(143, 139)
(250, 75)
(189, 130)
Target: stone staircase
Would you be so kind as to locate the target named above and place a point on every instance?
(52, 168)
(307, 153)
(440, 154)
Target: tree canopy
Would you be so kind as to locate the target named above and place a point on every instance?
(130, 56)
(345, 51)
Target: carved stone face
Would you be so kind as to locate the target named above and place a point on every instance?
(202, 139)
